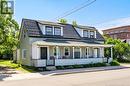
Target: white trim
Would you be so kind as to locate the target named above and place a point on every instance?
(88, 33)
(95, 34)
(53, 30)
(68, 51)
(111, 53)
(61, 31)
(57, 51)
(73, 52)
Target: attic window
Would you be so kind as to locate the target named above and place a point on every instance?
(91, 34)
(49, 30)
(57, 31)
(85, 33)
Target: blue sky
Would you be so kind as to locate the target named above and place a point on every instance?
(98, 14)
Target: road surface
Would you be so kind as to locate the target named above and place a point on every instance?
(119, 77)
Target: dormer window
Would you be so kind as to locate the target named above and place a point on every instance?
(91, 34)
(57, 31)
(85, 33)
(49, 30)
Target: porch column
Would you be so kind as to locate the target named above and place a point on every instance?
(111, 53)
(87, 52)
(80, 52)
(73, 52)
(57, 52)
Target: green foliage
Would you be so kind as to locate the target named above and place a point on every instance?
(63, 21)
(114, 63)
(81, 66)
(8, 34)
(74, 23)
(8, 64)
(119, 50)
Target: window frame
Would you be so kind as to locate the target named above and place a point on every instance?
(85, 31)
(68, 51)
(92, 36)
(57, 28)
(50, 27)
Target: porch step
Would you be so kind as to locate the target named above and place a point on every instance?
(50, 68)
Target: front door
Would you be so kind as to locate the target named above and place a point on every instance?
(43, 51)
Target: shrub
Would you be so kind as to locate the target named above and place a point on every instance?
(60, 67)
(68, 67)
(78, 66)
(123, 60)
(114, 63)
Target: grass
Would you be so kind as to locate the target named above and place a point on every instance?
(10, 64)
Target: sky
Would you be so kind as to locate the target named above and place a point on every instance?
(101, 14)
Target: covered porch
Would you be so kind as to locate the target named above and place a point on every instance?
(70, 53)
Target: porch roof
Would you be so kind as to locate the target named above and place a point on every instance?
(69, 43)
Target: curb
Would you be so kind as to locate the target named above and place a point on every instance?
(74, 72)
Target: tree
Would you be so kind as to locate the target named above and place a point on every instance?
(9, 29)
(120, 49)
(74, 23)
(63, 21)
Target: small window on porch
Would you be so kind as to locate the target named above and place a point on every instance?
(66, 51)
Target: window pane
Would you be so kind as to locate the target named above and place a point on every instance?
(91, 34)
(85, 33)
(66, 51)
(57, 31)
(49, 30)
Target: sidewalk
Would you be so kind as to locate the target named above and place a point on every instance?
(5, 77)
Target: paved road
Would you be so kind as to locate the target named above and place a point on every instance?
(101, 78)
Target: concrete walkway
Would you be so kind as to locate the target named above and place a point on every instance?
(5, 77)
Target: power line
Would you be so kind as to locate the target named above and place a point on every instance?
(76, 9)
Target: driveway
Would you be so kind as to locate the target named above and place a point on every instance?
(119, 77)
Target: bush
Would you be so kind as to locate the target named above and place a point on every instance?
(81, 66)
(68, 67)
(114, 63)
(78, 66)
(60, 67)
(123, 60)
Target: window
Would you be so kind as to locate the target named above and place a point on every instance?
(91, 34)
(49, 30)
(67, 51)
(57, 31)
(24, 53)
(85, 33)
(77, 52)
(54, 51)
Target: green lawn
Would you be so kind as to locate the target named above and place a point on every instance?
(10, 64)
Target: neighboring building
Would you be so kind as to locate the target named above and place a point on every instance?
(45, 43)
(122, 33)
